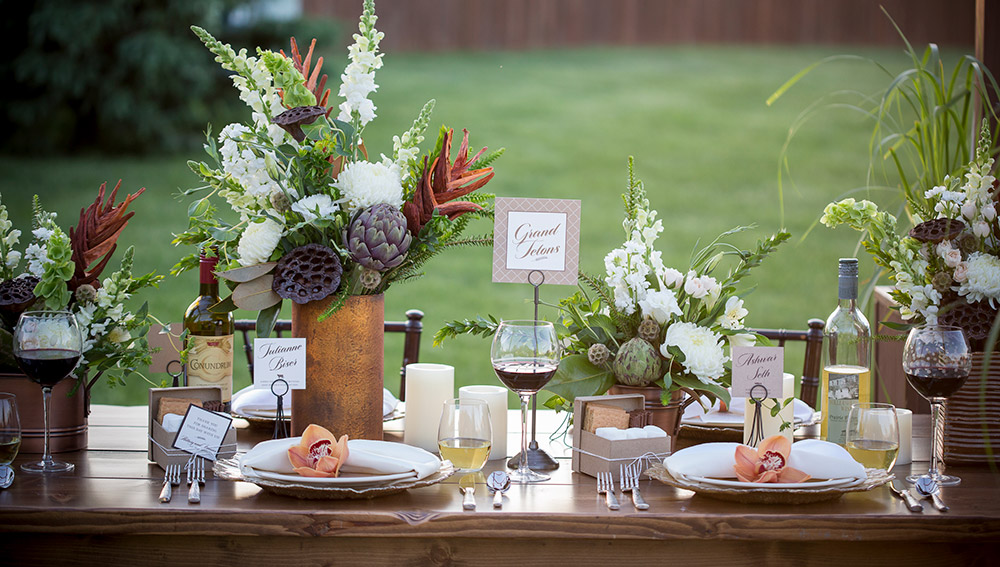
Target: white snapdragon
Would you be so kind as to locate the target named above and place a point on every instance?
(358, 79)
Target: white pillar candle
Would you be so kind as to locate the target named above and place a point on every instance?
(905, 419)
(496, 398)
(772, 425)
(428, 386)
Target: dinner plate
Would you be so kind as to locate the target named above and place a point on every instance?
(773, 485)
(345, 479)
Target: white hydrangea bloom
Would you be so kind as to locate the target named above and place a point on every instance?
(703, 351)
(258, 242)
(309, 206)
(364, 184)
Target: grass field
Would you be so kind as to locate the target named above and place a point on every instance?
(695, 119)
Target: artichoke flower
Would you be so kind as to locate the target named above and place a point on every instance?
(377, 237)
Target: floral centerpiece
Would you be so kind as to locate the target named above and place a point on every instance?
(313, 215)
(947, 268)
(60, 271)
(648, 324)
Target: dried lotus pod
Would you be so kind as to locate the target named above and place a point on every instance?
(649, 330)
(937, 230)
(307, 273)
(292, 119)
(16, 296)
(975, 319)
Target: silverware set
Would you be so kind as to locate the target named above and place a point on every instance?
(195, 478)
(629, 476)
(923, 489)
(171, 477)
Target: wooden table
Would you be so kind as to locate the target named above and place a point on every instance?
(107, 512)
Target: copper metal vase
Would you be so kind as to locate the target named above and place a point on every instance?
(68, 414)
(344, 360)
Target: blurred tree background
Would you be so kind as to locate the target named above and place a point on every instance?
(127, 76)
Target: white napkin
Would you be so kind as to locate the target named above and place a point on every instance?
(694, 413)
(364, 456)
(818, 459)
(260, 402)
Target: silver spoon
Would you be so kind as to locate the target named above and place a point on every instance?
(498, 483)
(927, 488)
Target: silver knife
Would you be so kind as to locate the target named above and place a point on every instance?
(899, 489)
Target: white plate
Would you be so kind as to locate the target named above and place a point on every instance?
(344, 480)
(839, 482)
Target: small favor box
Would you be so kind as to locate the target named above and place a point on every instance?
(593, 454)
(161, 441)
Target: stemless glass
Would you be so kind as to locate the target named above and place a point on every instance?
(525, 356)
(873, 435)
(10, 437)
(937, 361)
(47, 347)
(464, 434)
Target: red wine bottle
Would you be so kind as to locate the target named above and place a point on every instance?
(210, 336)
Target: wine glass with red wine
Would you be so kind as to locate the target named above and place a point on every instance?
(525, 356)
(937, 361)
(47, 347)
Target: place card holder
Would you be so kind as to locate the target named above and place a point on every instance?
(160, 449)
(593, 454)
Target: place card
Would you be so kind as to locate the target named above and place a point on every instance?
(536, 234)
(202, 432)
(283, 359)
(753, 366)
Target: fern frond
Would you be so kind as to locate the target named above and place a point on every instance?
(488, 158)
(480, 326)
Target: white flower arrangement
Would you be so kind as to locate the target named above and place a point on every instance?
(951, 258)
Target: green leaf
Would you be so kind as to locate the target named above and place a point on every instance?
(198, 208)
(224, 306)
(225, 235)
(317, 130)
(576, 376)
(691, 382)
(266, 319)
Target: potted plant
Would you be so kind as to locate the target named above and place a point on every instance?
(648, 327)
(322, 224)
(60, 271)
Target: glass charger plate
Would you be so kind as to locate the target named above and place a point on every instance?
(229, 469)
(804, 495)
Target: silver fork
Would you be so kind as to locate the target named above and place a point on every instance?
(171, 476)
(195, 478)
(630, 483)
(606, 486)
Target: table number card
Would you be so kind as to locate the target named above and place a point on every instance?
(202, 432)
(754, 366)
(536, 234)
(283, 359)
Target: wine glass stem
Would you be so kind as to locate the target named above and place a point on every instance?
(524, 433)
(935, 432)
(46, 396)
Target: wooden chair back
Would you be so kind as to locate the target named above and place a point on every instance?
(412, 327)
(813, 337)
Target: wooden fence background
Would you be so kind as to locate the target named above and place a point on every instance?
(440, 25)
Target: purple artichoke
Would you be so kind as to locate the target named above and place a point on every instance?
(377, 237)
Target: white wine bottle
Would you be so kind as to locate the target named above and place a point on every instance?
(210, 336)
(846, 376)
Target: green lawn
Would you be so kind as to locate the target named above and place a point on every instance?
(705, 144)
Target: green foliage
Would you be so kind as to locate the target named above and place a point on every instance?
(480, 326)
(119, 75)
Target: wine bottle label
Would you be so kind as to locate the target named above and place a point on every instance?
(210, 363)
(843, 386)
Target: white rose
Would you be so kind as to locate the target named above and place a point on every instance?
(953, 257)
(989, 212)
(694, 286)
(671, 277)
(258, 242)
(980, 228)
(969, 209)
(660, 305)
(961, 272)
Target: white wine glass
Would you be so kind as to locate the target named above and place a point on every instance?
(10, 437)
(464, 434)
(937, 361)
(525, 356)
(47, 347)
(873, 435)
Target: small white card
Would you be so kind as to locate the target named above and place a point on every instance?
(283, 359)
(202, 432)
(758, 366)
(536, 234)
